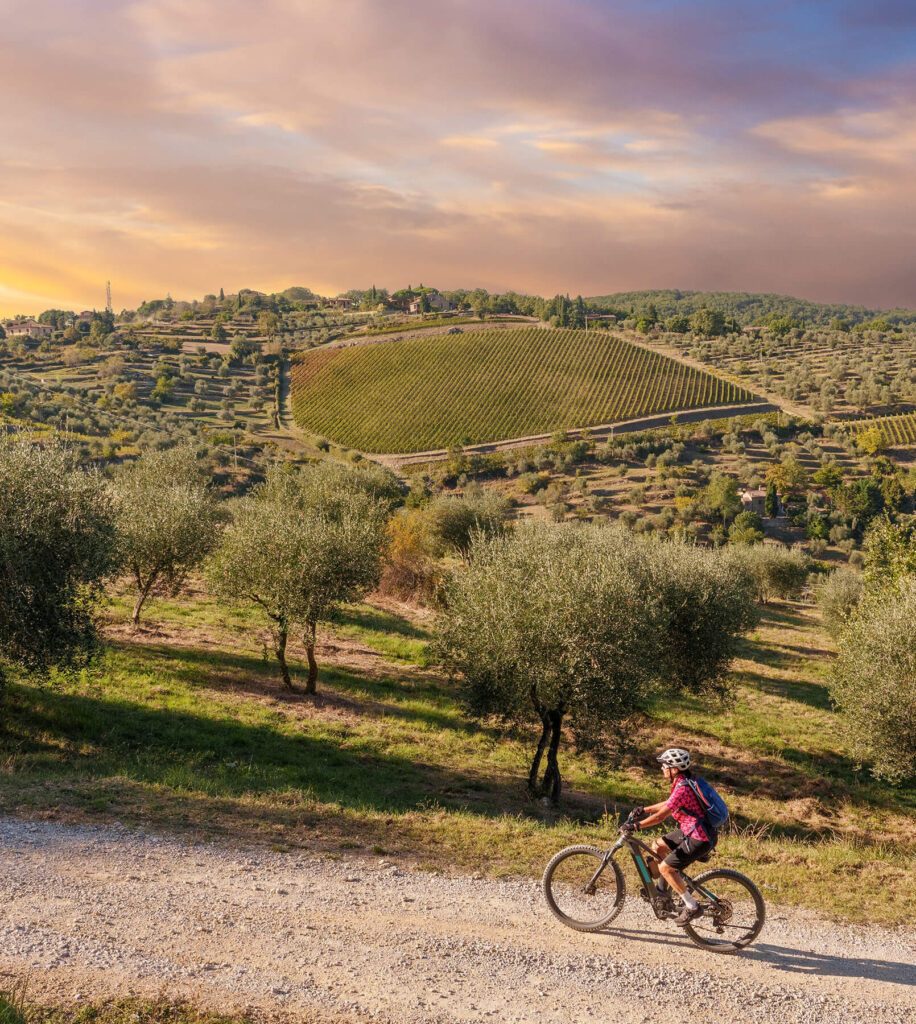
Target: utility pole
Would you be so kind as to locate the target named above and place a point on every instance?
(108, 296)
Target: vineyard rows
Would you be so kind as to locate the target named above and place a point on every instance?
(899, 429)
(428, 393)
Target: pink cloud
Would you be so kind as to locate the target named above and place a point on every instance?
(540, 146)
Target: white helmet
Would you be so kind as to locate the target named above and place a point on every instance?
(675, 757)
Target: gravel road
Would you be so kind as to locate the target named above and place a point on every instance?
(90, 912)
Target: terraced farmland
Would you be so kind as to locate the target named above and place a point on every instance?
(897, 430)
(427, 393)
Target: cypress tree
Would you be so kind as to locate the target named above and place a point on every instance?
(771, 502)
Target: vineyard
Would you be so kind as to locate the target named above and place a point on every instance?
(429, 393)
(897, 430)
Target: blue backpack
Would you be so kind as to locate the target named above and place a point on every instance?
(716, 811)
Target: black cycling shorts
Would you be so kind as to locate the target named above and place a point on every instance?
(684, 851)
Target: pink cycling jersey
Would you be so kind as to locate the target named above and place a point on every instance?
(687, 810)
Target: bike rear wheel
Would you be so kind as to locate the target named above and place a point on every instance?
(581, 890)
(734, 919)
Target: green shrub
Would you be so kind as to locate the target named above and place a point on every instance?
(890, 551)
(455, 521)
(838, 597)
(778, 571)
(746, 528)
(874, 680)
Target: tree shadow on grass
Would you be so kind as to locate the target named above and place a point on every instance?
(90, 737)
(814, 695)
(780, 654)
(348, 690)
(786, 773)
(366, 617)
(830, 779)
(781, 614)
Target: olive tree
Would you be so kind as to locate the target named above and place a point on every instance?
(167, 519)
(298, 546)
(709, 602)
(454, 521)
(57, 544)
(874, 680)
(838, 596)
(890, 551)
(578, 625)
(554, 622)
(332, 482)
(778, 571)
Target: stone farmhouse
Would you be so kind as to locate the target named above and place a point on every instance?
(753, 499)
(28, 329)
(437, 303)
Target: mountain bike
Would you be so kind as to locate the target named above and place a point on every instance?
(584, 887)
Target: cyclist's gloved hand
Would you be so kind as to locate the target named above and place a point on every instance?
(631, 824)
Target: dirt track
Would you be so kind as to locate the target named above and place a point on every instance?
(89, 912)
(598, 432)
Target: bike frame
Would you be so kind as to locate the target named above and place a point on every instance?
(639, 852)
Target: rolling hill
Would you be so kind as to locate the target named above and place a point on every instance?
(429, 393)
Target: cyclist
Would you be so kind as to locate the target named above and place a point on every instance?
(685, 844)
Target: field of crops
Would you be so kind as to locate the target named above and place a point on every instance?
(897, 430)
(427, 393)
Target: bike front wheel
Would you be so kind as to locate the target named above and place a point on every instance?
(733, 919)
(584, 888)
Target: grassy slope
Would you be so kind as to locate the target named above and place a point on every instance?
(184, 727)
(427, 393)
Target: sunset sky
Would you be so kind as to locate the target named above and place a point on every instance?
(537, 145)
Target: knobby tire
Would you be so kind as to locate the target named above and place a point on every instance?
(611, 871)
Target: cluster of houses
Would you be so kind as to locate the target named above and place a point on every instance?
(433, 300)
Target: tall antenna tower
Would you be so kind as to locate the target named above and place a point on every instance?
(108, 296)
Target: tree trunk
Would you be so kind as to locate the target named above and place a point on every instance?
(143, 590)
(311, 685)
(534, 788)
(282, 636)
(552, 782)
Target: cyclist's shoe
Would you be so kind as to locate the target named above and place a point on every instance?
(687, 915)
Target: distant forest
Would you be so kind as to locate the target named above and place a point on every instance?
(747, 308)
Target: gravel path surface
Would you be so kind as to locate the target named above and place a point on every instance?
(89, 912)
